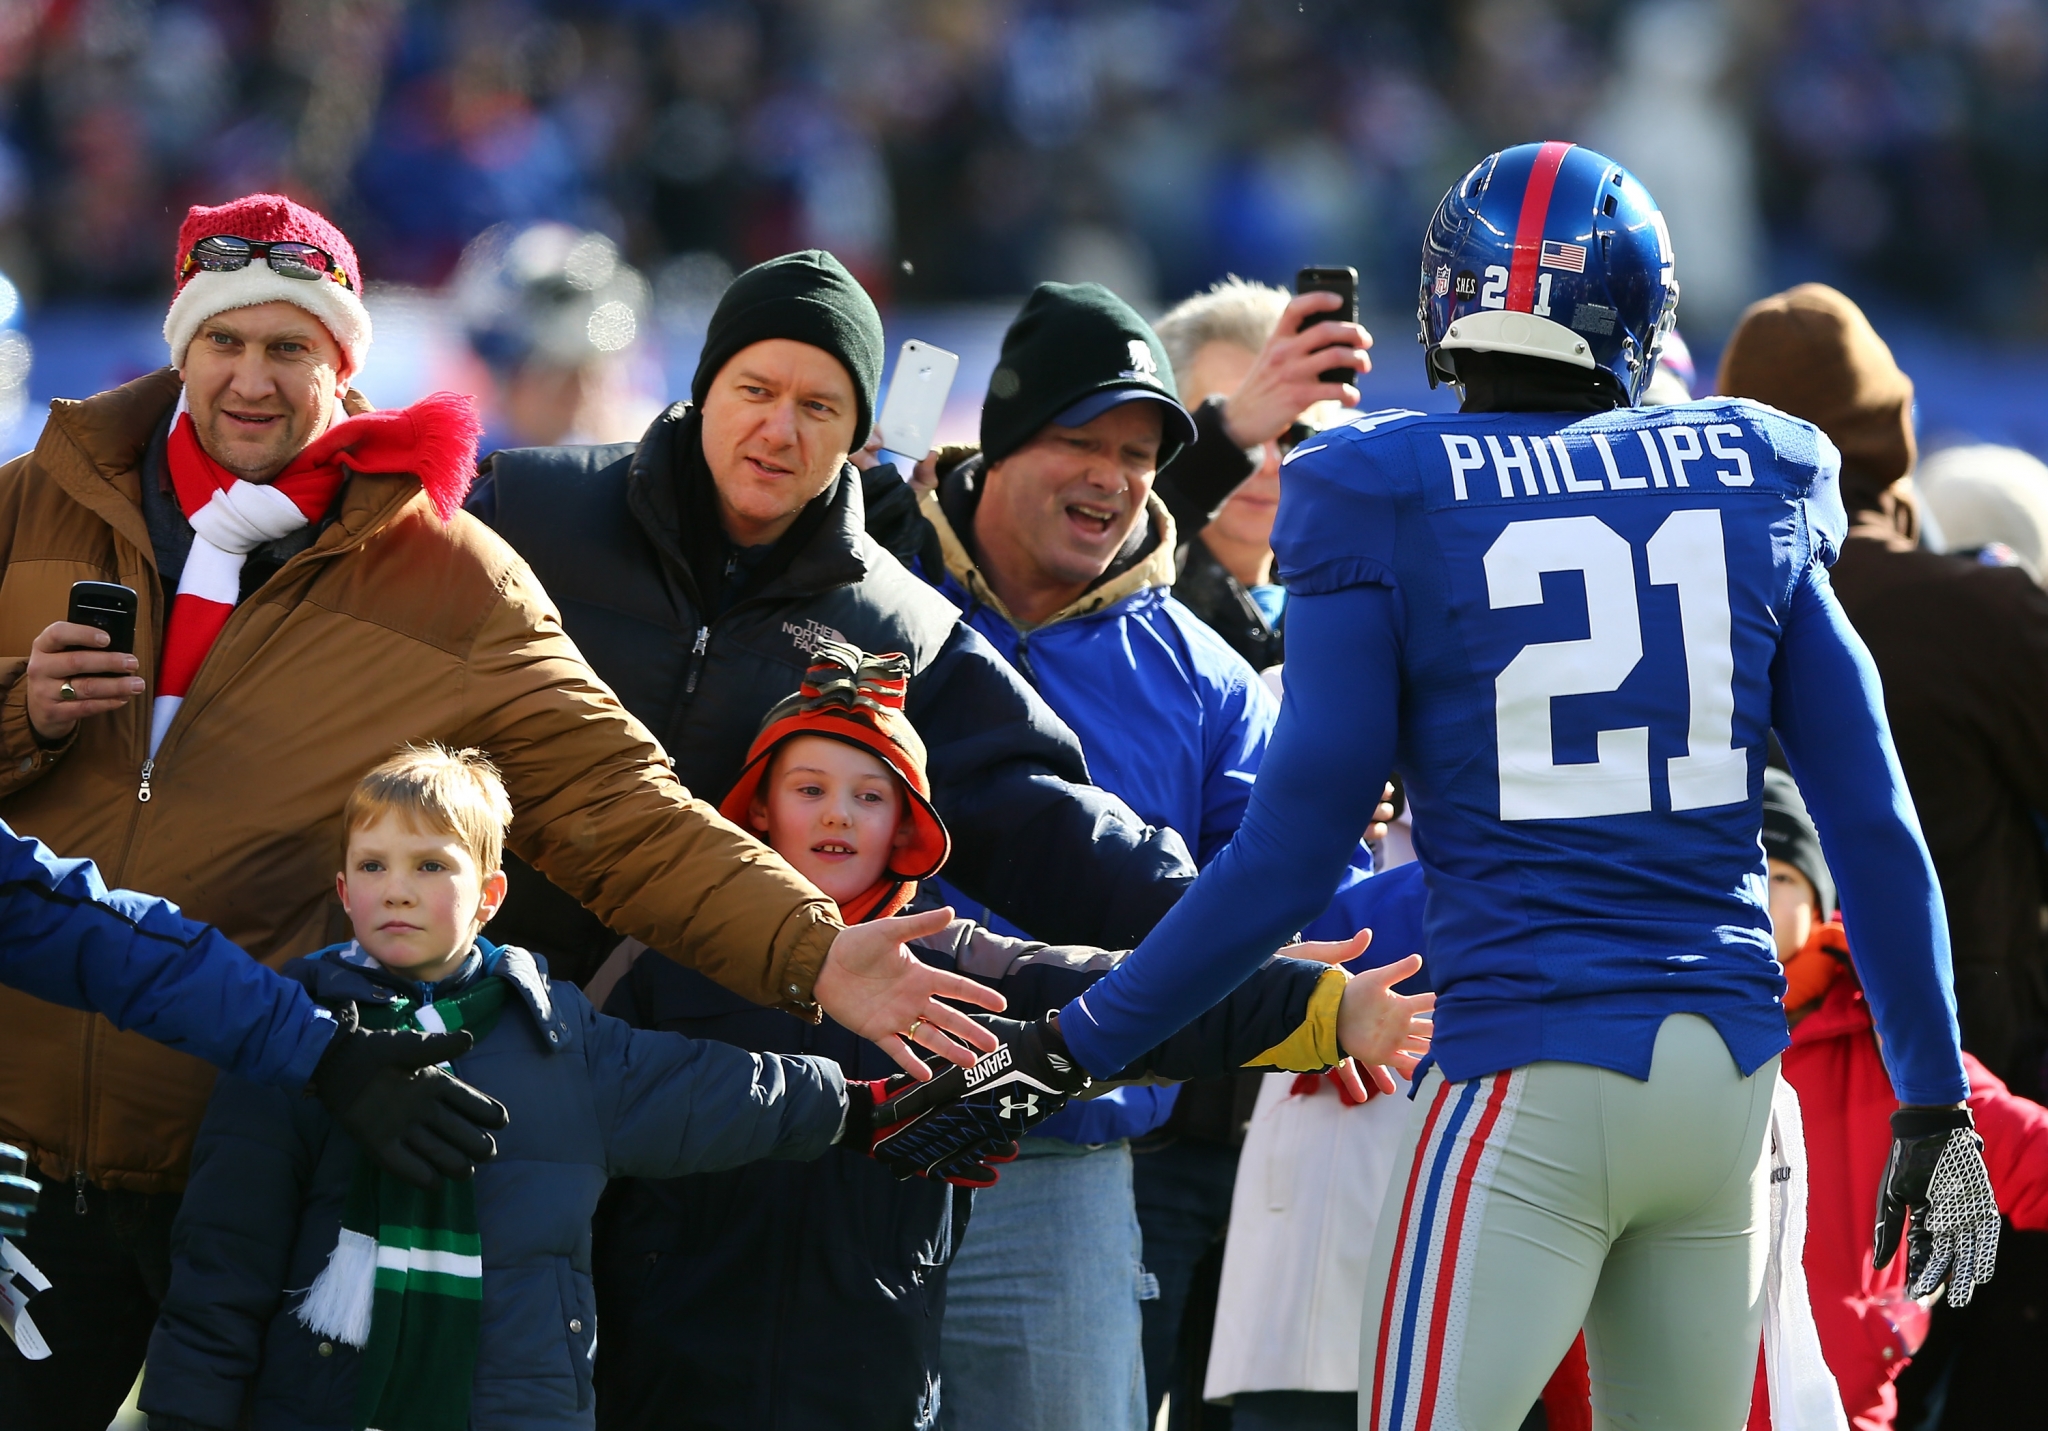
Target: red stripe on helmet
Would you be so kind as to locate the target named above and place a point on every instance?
(1529, 227)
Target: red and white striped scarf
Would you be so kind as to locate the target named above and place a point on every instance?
(435, 439)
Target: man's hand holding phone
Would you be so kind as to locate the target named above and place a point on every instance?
(71, 675)
(83, 665)
(924, 477)
(1285, 380)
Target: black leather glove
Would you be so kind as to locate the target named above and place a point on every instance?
(416, 1121)
(966, 1118)
(1936, 1174)
(18, 1192)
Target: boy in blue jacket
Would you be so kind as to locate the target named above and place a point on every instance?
(793, 1297)
(67, 939)
(309, 1289)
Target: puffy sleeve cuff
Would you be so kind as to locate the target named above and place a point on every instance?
(1313, 1046)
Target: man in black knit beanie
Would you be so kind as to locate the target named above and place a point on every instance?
(808, 298)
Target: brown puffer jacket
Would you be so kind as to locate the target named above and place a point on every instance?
(392, 626)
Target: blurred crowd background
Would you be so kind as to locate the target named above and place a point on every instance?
(953, 152)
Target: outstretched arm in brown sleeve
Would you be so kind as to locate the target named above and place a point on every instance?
(601, 814)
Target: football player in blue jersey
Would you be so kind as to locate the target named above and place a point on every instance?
(1570, 623)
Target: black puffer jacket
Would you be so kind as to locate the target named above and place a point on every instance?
(779, 1297)
(604, 528)
(1206, 587)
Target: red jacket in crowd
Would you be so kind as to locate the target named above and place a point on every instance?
(1868, 1326)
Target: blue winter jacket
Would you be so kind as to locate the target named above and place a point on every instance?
(590, 1099)
(1172, 720)
(65, 938)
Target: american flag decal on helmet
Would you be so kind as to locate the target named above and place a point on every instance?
(1568, 256)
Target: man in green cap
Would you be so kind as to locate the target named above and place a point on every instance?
(1058, 550)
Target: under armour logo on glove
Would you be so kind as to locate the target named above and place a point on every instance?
(966, 1118)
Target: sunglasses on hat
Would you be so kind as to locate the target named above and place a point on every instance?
(225, 253)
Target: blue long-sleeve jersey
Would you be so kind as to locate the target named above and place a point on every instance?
(1571, 635)
(67, 939)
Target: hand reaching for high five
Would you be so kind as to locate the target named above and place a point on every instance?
(874, 986)
(962, 1120)
(1387, 1033)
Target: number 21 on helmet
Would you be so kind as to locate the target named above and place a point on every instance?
(1552, 251)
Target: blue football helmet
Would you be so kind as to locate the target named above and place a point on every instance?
(1553, 251)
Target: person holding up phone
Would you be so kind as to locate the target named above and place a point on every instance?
(1256, 359)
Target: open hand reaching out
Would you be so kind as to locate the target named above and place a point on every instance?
(883, 992)
(1388, 1033)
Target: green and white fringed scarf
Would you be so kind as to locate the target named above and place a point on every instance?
(404, 1284)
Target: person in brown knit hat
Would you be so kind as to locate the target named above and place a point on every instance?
(1962, 649)
(1810, 351)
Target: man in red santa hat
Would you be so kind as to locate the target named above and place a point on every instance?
(310, 596)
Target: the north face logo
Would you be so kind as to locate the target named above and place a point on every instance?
(809, 634)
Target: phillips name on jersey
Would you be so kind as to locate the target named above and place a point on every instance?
(1589, 609)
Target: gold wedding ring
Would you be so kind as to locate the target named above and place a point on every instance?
(66, 693)
(910, 1034)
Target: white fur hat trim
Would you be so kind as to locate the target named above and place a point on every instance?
(206, 294)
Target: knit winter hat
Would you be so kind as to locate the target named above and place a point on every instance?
(850, 695)
(1074, 352)
(1789, 835)
(267, 218)
(807, 297)
(1811, 352)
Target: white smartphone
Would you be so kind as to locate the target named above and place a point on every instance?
(917, 395)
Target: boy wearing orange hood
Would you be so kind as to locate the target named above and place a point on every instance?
(812, 1296)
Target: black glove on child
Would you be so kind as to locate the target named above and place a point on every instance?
(413, 1119)
(1936, 1174)
(967, 1168)
(963, 1119)
(18, 1192)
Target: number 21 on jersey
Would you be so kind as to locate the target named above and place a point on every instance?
(1686, 552)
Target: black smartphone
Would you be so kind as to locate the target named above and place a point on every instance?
(1344, 283)
(109, 606)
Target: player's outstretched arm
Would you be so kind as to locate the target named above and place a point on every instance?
(1318, 786)
(1828, 708)
(67, 939)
